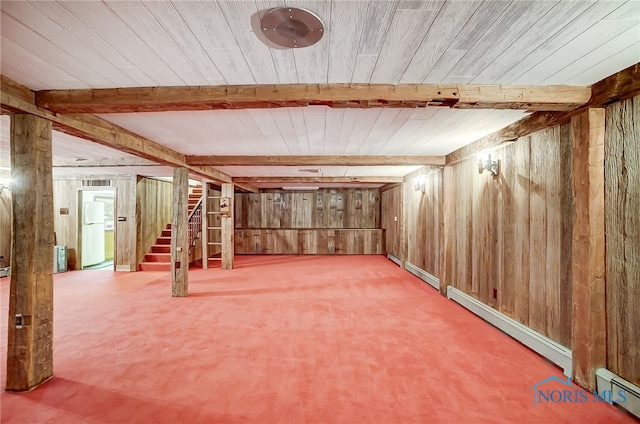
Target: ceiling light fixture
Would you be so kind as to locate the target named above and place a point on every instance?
(291, 27)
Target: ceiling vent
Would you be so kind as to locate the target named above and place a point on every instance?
(290, 27)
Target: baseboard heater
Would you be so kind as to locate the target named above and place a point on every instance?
(611, 384)
(394, 259)
(553, 351)
(423, 275)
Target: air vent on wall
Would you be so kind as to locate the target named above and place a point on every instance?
(96, 183)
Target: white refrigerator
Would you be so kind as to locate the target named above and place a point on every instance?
(92, 233)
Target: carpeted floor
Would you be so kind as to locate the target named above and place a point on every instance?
(317, 339)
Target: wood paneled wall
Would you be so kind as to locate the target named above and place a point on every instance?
(65, 195)
(512, 233)
(5, 226)
(154, 200)
(622, 220)
(309, 241)
(329, 208)
(423, 219)
(392, 222)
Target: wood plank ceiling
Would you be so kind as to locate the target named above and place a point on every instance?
(109, 44)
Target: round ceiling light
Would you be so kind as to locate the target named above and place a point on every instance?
(291, 27)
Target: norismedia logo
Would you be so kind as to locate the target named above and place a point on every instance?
(572, 394)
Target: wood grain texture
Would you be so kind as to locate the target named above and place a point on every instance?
(422, 216)
(622, 194)
(125, 244)
(326, 208)
(228, 224)
(391, 220)
(5, 226)
(311, 241)
(179, 98)
(154, 209)
(509, 246)
(180, 234)
(589, 335)
(93, 128)
(325, 160)
(30, 347)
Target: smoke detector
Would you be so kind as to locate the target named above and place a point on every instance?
(291, 27)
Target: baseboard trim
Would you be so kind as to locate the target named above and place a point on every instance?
(394, 259)
(610, 384)
(432, 280)
(125, 268)
(550, 349)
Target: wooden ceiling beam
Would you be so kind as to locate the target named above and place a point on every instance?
(619, 86)
(96, 129)
(59, 162)
(317, 180)
(162, 99)
(332, 160)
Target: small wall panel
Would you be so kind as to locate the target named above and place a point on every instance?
(330, 208)
(293, 241)
(622, 220)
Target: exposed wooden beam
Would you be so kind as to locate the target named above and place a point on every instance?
(156, 99)
(318, 180)
(589, 330)
(98, 130)
(249, 188)
(180, 234)
(332, 160)
(100, 162)
(389, 186)
(619, 86)
(30, 333)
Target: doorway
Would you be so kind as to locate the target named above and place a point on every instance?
(96, 228)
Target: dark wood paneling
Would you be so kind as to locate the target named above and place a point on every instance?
(329, 208)
(293, 241)
(622, 218)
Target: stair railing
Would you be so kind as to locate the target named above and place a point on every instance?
(195, 223)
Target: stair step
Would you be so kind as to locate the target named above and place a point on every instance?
(155, 266)
(166, 233)
(169, 226)
(161, 248)
(158, 257)
(195, 196)
(194, 201)
(163, 240)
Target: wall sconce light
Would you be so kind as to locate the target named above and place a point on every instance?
(419, 183)
(489, 164)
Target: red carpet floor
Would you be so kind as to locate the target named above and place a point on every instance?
(312, 339)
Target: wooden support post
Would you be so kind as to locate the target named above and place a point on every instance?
(204, 234)
(180, 234)
(588, 247)
(447, 230)
(227, 228)
(30, 342)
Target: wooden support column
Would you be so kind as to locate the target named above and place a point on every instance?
(30, 341)
(228, 228)
(447, 230)
(588, 247)
(180, 234)
(204, 234)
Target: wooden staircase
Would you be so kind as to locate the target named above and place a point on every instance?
(159, 259)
